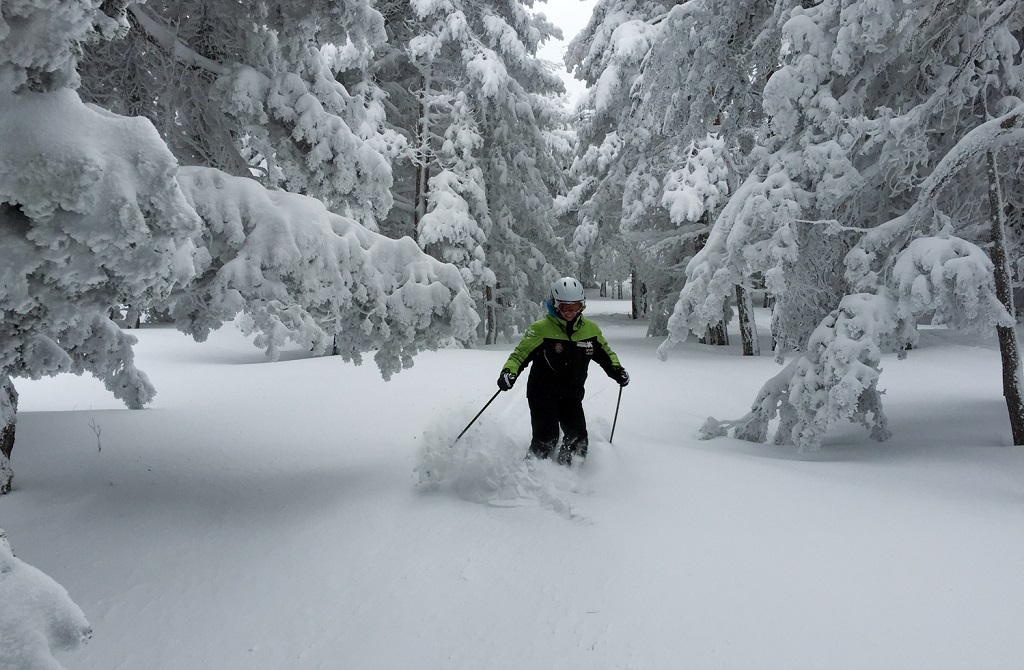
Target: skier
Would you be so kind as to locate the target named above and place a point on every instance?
(560, 346)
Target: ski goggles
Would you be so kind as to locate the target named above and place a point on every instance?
(569, 309)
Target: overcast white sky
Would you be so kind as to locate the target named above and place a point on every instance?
(571, 16)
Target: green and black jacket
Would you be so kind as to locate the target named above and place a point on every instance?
(560, 353)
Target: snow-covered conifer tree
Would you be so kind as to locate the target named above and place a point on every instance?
(483, 123)
(94, 213)
(700, 118)
(607, 55)
(661, 106)
(90, 214)
(274, 89)
(874, 120)
(455, 217)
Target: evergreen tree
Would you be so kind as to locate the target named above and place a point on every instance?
(88, 219)
(103, 216)
(659, 96)
(272, 89)
(607, 55)
(480, 110)
(872, 123)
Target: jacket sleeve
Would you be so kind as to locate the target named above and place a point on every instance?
(604, 356)
(518, 359)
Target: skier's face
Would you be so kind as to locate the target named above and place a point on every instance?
(569, 310)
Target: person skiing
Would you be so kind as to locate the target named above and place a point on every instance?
(560, 346)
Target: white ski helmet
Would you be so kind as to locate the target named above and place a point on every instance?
(567, 289)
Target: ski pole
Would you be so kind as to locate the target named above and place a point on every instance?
(616, 419)
(496, 394)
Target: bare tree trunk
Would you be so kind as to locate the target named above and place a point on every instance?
(1009, 349)
(132, 318)
(422, 153)
(717, 335)
(491, 336)
(748, 329)
(634, 297)
(8, 419)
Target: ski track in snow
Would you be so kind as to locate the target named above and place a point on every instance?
(489, 467)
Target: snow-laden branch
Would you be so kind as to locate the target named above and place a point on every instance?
(952, 279)
(303, 274)
(890, 237)
(995, 21)
(99, 221)
(987, 136)
(169, 42)
(836, 378)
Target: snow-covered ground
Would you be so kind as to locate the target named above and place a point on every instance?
(306, 514)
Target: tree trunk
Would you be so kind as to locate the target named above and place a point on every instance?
(634, 297)
(8, 419)
(491, 336)
(716, 335)
(748, 329)
(133, 318)
(1009, 350)
(422, 153)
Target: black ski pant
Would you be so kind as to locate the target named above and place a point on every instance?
(548, 413)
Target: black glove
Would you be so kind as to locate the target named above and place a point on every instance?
(506, 380)
(620, 375)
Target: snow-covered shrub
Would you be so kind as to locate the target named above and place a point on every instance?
(836, 379)
(772, 401)
(37, 617)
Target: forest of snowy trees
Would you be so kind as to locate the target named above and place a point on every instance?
(385, 176)
(858, 160)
